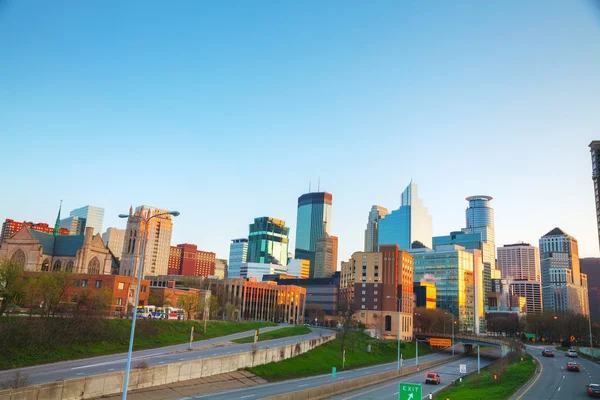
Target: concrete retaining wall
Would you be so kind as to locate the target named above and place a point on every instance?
(106, 384)
(335, 388)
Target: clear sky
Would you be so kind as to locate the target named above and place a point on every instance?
(226, 110)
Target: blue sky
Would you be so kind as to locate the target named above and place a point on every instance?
(226, 110)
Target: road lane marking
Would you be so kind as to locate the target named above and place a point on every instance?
(117, 361)
(558, 389)
(245, 397)
(536, 378)
(79, 374)
(111, 369)
(306, 384)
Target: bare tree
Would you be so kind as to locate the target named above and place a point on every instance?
(189, 304)
(11, 284)
(346, 321)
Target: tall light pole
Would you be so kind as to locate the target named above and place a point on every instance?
(137, 293)
(399, 329)
(452, 315)
(590, 325)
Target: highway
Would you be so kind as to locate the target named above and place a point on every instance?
(448, 372)
(554, 381)
(272, 389)
(163, 355)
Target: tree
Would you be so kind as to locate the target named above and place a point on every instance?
(189, 304)
(11, 284)
(214, 307)
(230, 310)
(159, 298)
(346, 322)
(53, 287)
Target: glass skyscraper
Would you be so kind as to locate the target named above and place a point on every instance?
(268, 241)
(372, 231)
(238, 252)
(93, 216)
(409, 224)
(314, 219)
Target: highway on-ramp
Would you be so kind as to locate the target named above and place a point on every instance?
(554, 382)
(157, 356)
(272, 389)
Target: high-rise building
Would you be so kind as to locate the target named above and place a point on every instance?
(595, 152)
(158, 242)
(185, 259)
(324, 264)
(591, 267)
(299, 268)
(562, 288)
(425, 295)
(520, 261)
(258, 270)
(409, 225)
(75, 225)
(268, 241)
(238, 253)
(314, 219)
(220, 268)
(94, 217)
(10, 227)
(372, 231)
(451, 268)
(531, 291)
(113, 238)
(335, 242)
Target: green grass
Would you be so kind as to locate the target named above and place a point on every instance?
(277, 334)
(38, 341)
(321, 359)
(562, 348)
(475, 387)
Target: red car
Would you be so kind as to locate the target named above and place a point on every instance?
(571, 366)
(432, 377)
(548, 353)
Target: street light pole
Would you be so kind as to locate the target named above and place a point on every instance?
(591, 341)
(137, 295)
(452, 315)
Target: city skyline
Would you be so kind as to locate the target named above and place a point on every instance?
(507, 105)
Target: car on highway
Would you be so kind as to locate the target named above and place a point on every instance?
(593, 390)
(571, 353)
(432, 377)
(548, 353)
(571, 366)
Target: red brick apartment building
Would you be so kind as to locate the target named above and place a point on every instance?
(186, 260)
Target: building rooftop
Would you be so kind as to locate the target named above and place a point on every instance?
(61, 245)
(556, 232)
(479, 197)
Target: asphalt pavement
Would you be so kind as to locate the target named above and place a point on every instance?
(272, 389)
(448, 372)
(158, 356)
(553, 381)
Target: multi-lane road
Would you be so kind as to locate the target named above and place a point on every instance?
(554, 382)
(273, 389)
(164, 355)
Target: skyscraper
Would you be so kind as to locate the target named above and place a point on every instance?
(158, 242)
(335, 241)
(238, 252)
(562, 281)
(520, 261)
(94, 217)
(372, 231)
(314, 219)
(595, 152)
(268, 241)
(407, 225)
(113, 238)
(75, 225)
(324, 266)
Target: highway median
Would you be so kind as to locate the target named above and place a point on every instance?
(278, 334)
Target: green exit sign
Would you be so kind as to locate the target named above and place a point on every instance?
(409, 391)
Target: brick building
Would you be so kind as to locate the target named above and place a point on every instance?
(186, 260)
(10, 227)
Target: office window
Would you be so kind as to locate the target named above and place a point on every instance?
(388, 323)
(76, 283)
(84, 283)
(121, 285)
(363, 307)
(376, 292)
(143, 289)
(119, 301)
(363, 299)
(375, 299)
(364, 285)
(364, 291)
(375, 307)
(98, 284)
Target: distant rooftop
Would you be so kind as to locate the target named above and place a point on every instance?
(517, 244)
(479, 197)
(556, 232)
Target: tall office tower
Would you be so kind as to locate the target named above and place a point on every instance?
(268, 241)
(520, 261)
(220, 268)
(324, 266)
(158, 242)
(372, 231)
(531, 291)
(113, 238)
(186, 260)
(94, 217)
(314, 219)
(562, 287)
(480, 219)
(238, 253)
(409, 224)
(335, 241)
(75, 225)
(591, 267)
(595, 152)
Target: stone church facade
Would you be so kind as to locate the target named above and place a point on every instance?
(40, 251)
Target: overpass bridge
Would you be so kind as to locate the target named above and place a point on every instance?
(468, 341)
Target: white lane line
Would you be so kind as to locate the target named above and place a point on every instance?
(395, 393)
(306, 384)
(215, 354)
(79, 374)
(111, 369)
(245, 397)
(558, 389)
(117, 361)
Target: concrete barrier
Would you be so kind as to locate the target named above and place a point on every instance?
(336, 388)
(112, 383)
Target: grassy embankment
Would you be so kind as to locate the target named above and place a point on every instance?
(511, 375)
(323, 358)
(277, 334)
(32, 341)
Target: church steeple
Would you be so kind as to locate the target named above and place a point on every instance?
(57, 223)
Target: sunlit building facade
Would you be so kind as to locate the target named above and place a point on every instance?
(238, 253)
(372, 231)
(268, 241)
(313, 220)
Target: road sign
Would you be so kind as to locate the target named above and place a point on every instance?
(409, 391)
(572, 338)
(463, 368)
(530, 335)
(440, 342)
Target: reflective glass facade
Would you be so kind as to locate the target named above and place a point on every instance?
(408, 224)
(268, 241)
(372, 231)
(238, 252)
(94, 217)
(314, 219)
(258, 270)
